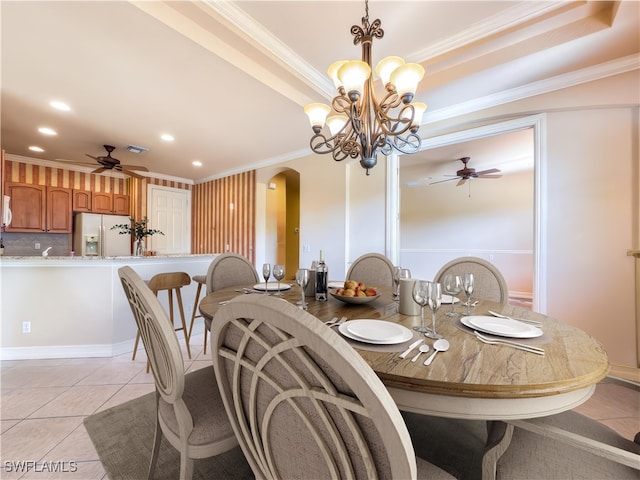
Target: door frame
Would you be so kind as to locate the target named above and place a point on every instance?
(538, 123)
(151, 189)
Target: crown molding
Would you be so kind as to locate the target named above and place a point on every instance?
(559, 82)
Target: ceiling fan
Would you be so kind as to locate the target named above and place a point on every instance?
(107, 162)
(466, 173)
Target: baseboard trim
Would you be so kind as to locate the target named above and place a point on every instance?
(624, 372)
(66, 351)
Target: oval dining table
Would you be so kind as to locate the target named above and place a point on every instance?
(472, 379)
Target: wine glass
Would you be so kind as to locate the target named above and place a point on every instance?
(421, 297)
(266, 273)
(452, 286)
(302, 278)
(278, 274)
(467, 286)
(434, 300)
(396, 281)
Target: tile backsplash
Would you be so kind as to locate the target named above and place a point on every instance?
(24, 244)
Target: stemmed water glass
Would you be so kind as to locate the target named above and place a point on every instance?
(467, 286)
(266, 273)
(452, 286)
(302, 278)
(434, 300)
(421, 297)
(403, 274)
(278, 274)
(396, 282)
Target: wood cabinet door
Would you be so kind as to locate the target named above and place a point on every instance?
(120, 204)
(101, 202)
(59, 202)
(28, 204)
(81, 201)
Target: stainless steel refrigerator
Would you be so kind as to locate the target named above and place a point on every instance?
(93, 236)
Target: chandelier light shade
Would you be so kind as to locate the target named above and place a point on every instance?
(359, 126)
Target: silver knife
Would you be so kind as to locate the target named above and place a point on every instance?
(411, 347)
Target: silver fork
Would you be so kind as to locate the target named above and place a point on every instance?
(509, 343)
(331, 322)
(334, 322)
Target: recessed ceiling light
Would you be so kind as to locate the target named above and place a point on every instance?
(47, 131)
(196, 163)
(60, 106)
(33, 148)
(166, 137)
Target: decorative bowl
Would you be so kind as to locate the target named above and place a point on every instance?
(353, 300)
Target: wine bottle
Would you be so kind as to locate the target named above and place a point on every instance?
(322, 275)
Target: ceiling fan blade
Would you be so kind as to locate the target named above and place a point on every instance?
(99, 170)
(135, 167)
(489, 176)
(461, 182)
(131, 173)
(91, 156)
(442, 181)
(491, 170)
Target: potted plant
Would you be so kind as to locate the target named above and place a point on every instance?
(139, 230)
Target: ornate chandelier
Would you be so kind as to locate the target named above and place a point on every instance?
(362, 126)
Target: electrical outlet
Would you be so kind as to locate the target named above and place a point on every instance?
(37, 247)
(306, 248)
(491, 257)
(26, 327)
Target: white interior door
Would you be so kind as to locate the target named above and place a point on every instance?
(169, 211)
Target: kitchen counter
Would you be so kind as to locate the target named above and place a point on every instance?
(75, 306)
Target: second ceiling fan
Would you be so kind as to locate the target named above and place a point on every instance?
(466, 173)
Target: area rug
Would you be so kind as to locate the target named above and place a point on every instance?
(123, 435)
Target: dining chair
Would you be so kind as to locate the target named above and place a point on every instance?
(228, 270)
(373, 269)
(189, 409)
(302, 402)
(489, 284)
(564, 445)
(568, 445)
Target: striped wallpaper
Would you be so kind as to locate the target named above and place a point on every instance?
(60, 177)
(223, 218)
(223, 210)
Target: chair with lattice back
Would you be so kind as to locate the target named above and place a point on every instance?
(189, 410)
(302, 401)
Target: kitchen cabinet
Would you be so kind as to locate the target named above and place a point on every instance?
(81, 201)
(59, 204)
(37, 208)
(110, 203)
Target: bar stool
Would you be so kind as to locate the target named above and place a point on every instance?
(170, 282)
(200, 280)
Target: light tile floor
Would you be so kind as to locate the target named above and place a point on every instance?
(43, 404)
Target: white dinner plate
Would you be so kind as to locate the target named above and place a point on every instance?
(271, 286)
(449, 299)
(504, 327)
(377, 332)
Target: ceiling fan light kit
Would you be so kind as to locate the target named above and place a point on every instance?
(362, 125)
